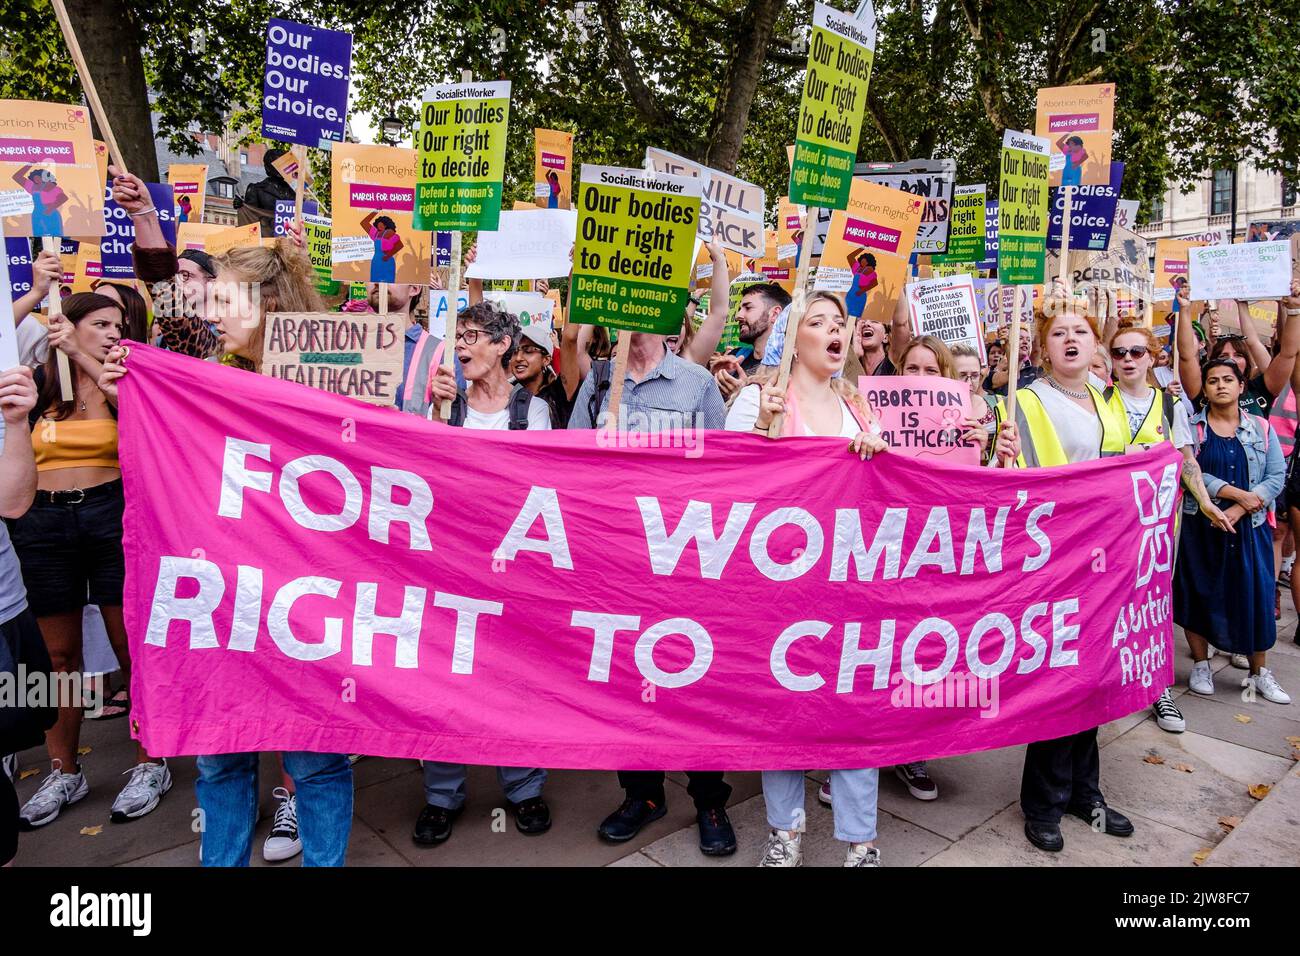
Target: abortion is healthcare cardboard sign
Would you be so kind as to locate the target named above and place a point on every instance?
(50, 182)
(1079, 123)
(922, 416)
(462, 144)
(305, 90)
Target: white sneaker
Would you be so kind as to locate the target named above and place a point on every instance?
(1202, 680)
(824, 793)
(9, 764)
(148, 783)
(1168, 717)
(282, 843)
(57, 791)
(1240, 661)
(862, 855)
(1266, 686)
(783, 849)
(1210, 655)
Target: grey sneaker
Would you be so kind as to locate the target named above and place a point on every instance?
(862, 855)
(1201, 681)
(783, 849)
(148, 783)
(56, 791)
(1266, 686)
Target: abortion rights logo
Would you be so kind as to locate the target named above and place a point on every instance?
(1155, 503)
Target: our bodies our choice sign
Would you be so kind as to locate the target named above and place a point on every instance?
(305, 90)
(405, 589)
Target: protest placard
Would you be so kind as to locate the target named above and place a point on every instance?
(834, 100)
(305, 89)
(1078, 122)
(316, 233)
(119, 231)
(731, 210)
(87, 269)
(532, 244)
(1122, 269)
(284, 214)
(1092, 212)
(1022, 209)
(225, 239)
(290, 169)
(438, 308)
(530, 308)
(789, 229)
(922, 416)
(1126, 213)
(50, 183)
(553, 168)
(635, 239)
(373, 201)
(194, 235)
(947, 309)
(462, 144)
(1171, 269)
(18, 260)
(932, 180)
(1210, 237)
(347, 353)
(189, 183)
(8, 335)
(989, 263)
(1247, 270)
(966, 225)
(1272, 231)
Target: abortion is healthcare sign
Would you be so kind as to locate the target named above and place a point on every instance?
(305, 90)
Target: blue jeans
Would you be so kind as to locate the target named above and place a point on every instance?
(227, 792)
(444, 783)
(853, 801)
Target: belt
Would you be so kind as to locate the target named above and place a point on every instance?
(76, 496)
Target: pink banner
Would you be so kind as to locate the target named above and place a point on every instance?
(36, 151)
(366, 196)
(308, 572)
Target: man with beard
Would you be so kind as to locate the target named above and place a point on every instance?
(759, 307)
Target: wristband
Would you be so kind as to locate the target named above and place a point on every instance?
(143, 212)
(1293, 311)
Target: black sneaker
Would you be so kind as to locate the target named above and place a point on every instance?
(717, 838)
(626, 822)
(532, 816)
(434, 825)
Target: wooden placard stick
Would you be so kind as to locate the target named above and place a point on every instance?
(51, 244)
(621, 352)
(1013, 353)
(383, 298)
(87, 83)
(453, 293)
(299, 186)
(797, 304)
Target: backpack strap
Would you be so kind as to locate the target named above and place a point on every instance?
(458, 407)
(520, 399)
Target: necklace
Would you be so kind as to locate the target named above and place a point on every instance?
(1063, 390)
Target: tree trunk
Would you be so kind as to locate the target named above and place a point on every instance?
(110, 41)
(739, 81)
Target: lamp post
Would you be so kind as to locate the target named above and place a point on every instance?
(391, 130)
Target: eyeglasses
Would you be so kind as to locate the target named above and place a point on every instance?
(468, 336)
(526, 349)
(1133, 352)
(1230, 337)
(969, 376)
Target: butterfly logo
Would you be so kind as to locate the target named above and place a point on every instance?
(1155, 503)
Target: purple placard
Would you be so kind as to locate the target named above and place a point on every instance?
(18, 253)
(284, 213)
(119, 230)
(442, 255)
(1092, 213)
(305, 90)
(990, 260)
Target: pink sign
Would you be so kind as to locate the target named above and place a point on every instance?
(405, 589)
(922, 416)
(1073, 122)
(366, 196)
(185, 189)
(870, 234)
(1175, 266)
(552, 160)
(36, 151)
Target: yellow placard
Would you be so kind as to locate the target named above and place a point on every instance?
(224, 240)
(879, 225)
(189, 182)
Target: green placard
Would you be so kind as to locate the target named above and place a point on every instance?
(965, 226)
(316, 231)
(1022, 209)
(834, 100)
(634, 250)
(461, 156)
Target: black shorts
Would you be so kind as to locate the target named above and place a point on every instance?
(71, 551)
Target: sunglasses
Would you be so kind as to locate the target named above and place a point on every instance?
(1133, 352)
(1230, 337)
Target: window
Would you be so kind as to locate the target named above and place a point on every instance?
(1157, 209)
(243, 158)
(1288, 187)
(1221, 193)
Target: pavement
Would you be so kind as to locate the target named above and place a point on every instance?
(1224, 793)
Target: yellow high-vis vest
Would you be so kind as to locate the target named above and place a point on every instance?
(1158, 426)
(1039, 445)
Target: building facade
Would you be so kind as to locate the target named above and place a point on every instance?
(1262, 196)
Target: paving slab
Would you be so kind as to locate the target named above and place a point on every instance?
(972, 789)
(1270, 834)
(1266, 731)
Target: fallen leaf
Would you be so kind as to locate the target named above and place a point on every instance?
(29, 772)
(82, 751)
(1241, 718)
(1293, 741)
(1259, 791)
(1229, 823)
(92, 831)
(1153, 759)
(1185, 767)
(1199, 856)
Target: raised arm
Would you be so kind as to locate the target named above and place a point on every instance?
(1258, 350)
(900, 328)
(1189, 366)
(1283, 366)
(709, 333)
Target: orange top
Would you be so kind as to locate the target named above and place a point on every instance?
(76, 443)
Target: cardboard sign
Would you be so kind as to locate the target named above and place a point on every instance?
(530, 308)
(373, 239)
(347, 353)
(1022, 209)
(8, 334)
(966, 225)
(922, 416)
(1122, 268)
(1092, 212)
(223, 240)
(1079, 122)
(553, 168)
(526, 245)
(119, 231)
(462, 143)
(1247, 270)
(932, 180)
(947, 309)
(289, 169)
(50, 184)
(840, 53)
(18, 262)
(731, 210)
(189, 183)
(632, 261)
(1126, 213)
(305, 91)
(1171, 268)
(878, 221)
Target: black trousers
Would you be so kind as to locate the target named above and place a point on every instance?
(1058, 774)
(8, 820)
(706, 787)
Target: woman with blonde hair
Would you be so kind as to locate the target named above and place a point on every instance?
(251, 282)
(817, 402)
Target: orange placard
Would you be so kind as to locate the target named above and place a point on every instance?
(51, 182)
(552, 168)
(1079, 121)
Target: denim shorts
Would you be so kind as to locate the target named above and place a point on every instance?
(71, 550)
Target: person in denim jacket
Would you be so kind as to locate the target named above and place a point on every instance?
(1223, 583)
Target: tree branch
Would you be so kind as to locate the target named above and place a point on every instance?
(642, 98)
